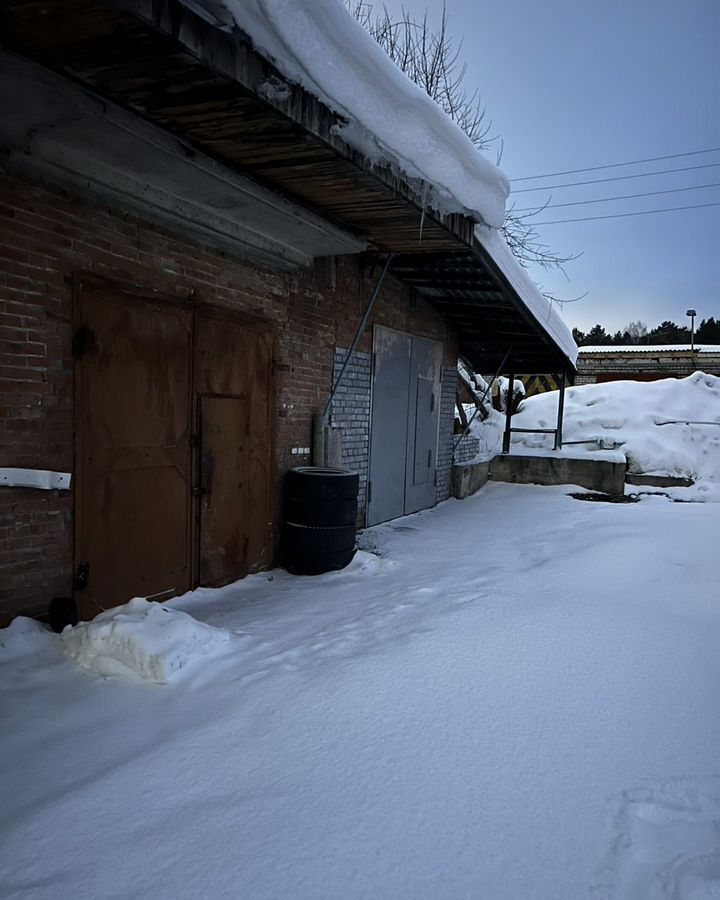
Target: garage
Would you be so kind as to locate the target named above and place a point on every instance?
(404, 424)
(173, 446)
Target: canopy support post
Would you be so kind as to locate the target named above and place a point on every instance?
(560, 413)
(508, 410)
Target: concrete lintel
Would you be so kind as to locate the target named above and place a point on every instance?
(56, 131)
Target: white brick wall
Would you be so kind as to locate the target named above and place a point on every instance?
(351, 413)
(445, 434)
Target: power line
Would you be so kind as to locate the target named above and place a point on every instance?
(645, 212)
(554, 187)
(632, 162)
(695, 187)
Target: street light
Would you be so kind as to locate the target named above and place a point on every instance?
(692, 313)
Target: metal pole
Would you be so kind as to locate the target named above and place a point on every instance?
(561, 413)
(482, 399)
(358, 334)
(508, 412)
(692, 313)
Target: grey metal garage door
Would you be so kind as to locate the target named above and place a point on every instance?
(404, 427)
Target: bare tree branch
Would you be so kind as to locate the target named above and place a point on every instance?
(433, 60)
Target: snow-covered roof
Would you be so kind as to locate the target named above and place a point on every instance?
(319, 45)
(543, 310)
(390, 120)
(650, 348)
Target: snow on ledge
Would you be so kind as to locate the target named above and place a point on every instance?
(649, 348)
(320, 46)
(143, 639)
(542, 310)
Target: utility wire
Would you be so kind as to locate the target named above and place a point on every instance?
(645, 212)
(632, 162)
(554, 187)
(694, 187)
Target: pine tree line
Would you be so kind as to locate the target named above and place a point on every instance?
(707, 332)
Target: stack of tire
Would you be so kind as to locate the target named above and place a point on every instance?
(320, 515)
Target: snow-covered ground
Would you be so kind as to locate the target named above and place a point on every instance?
(666, 427)
(518, 698)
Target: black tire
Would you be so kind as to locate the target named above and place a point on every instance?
(322, 513)
(62, 611)
(319, 483)
(330, 562)
(308, 541)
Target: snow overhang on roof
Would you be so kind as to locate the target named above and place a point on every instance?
(389, 119)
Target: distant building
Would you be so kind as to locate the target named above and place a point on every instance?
(645, 362)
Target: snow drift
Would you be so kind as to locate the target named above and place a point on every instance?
(142, 638)
(655, 424)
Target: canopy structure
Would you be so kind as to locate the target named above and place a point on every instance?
(471, 291)
(184, 68)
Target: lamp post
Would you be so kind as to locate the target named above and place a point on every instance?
(692, 313)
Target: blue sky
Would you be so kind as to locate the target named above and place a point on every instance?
(571, 84)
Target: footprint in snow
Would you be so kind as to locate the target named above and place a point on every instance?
(666, 843)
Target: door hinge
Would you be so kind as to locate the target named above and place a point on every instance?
(82, 577)
(429, 457)
(435, 478)
(369, 492)
(83, 340)
(432, 402)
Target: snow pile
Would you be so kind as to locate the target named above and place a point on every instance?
(320, 46)
(542, 309)
(651, 422)
(147, 639)
(23, 636)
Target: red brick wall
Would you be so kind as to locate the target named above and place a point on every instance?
(45, 236)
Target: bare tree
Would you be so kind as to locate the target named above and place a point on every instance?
(637, 330)
(432, 58)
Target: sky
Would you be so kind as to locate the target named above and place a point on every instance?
(571, 84)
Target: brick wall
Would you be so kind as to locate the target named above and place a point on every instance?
(644, 365)
(465, 451)
(46, 235)
(445, 435)
(351, 413)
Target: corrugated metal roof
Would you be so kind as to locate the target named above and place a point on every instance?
(616, 349)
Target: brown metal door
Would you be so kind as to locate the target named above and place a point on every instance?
(223, 489)
(233, 363)
(133, 497)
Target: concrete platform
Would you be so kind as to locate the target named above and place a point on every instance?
(467, 478)
(602, 471)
